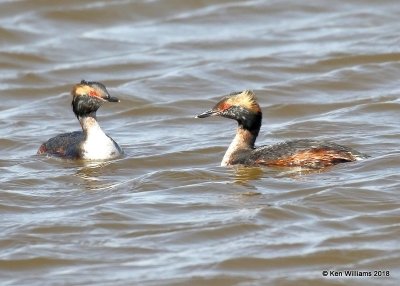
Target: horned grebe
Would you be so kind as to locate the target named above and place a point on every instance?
(91, 143)
(243, 107)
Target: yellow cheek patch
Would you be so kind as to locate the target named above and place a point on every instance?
(246, 99)
(86, 90)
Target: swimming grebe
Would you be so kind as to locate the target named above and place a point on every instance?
(243, 107)
(91, 143)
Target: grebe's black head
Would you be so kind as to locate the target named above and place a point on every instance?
(88, 96)
(241, 106)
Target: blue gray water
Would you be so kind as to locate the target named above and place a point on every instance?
(166, 213)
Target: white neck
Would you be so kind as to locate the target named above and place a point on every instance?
(97, 145)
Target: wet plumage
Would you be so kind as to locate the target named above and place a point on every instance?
(243, 107)
(64, 145)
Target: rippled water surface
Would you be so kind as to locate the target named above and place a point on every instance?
(166, 213)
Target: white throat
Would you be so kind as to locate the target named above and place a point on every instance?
(97, 145)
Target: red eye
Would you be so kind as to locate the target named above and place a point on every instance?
(93, 93)
(224, 106)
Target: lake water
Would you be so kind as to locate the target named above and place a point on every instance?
(166, 213)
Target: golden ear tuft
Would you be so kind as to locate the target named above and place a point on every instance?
(246, 99)
(82, 89)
